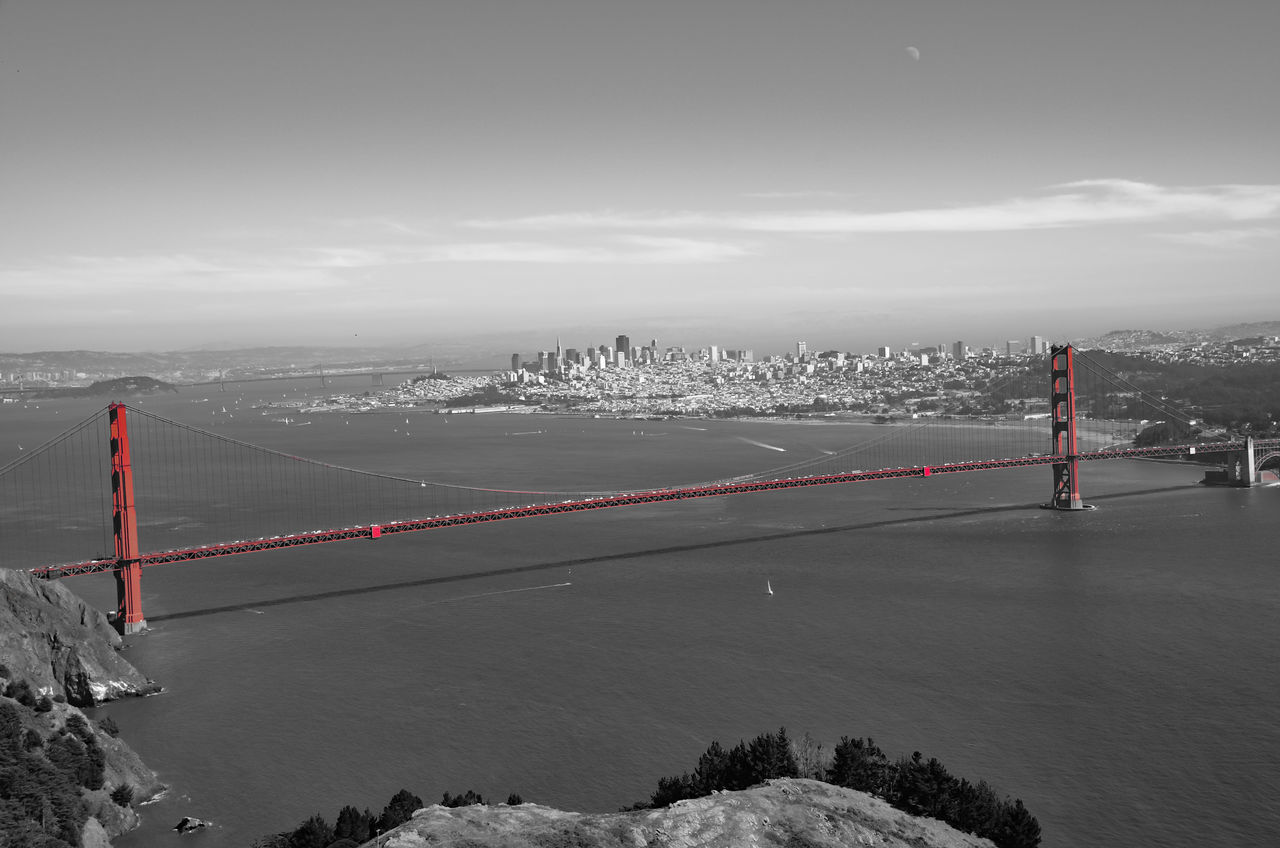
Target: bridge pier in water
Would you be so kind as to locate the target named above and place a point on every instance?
(128, 571)
(1241, 469)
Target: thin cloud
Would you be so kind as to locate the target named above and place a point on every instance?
(1077, 204)
(1223, 239)
(628, 249)
(291, 271)
(795, 195)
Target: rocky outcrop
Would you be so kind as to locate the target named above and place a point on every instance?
(60, 645)
(800, 813)
(190, 824)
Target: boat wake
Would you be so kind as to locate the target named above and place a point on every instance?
(761, 444)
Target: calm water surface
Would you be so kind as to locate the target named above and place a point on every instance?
(1113, 669)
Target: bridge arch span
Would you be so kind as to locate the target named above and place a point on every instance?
(1267, 458)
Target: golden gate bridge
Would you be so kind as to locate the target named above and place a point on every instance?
(220, 497)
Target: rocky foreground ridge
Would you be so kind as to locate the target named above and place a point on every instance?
(791, 812)
(68, 780)
(60, 645)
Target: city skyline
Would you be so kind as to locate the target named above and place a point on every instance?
(236, 174)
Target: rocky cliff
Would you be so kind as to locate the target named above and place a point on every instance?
(56, 653)
(60, 645)
(796, 813)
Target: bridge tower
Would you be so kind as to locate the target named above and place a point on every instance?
(124, 521)
(1062, 401)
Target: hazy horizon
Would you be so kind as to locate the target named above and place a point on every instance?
(186, 175)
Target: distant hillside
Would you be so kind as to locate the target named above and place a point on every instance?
(117, 388)
(1252, 330)
(1140, 339)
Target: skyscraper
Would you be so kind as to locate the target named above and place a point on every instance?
(622, 344)
(801, 350)
(959, 352)
(1039, 344)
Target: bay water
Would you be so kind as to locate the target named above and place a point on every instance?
(1115, 669)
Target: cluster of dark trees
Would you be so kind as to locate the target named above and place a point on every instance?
(912, 784)
(488, 396)
(41, 779)
(354, 827)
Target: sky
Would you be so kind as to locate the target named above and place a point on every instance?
(184, 173)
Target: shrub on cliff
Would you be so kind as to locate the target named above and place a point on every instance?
(20, 691)
(469, 799)
(122, 795)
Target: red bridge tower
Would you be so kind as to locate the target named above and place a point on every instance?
(1062, 400)
(124, 521)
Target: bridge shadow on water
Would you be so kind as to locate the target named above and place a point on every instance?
(938, 513)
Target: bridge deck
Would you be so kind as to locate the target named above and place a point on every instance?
(631, 499)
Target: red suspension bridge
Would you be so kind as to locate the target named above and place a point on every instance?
(221, 497)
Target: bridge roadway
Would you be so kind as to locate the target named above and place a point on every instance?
(707, 490)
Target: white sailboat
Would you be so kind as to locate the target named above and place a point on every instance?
(768, 588)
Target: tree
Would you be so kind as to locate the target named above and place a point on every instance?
(859, 764)
(770, 756)
(712, 769)
(10, 722)
(924, 788)
(1017, 828)
(514, 800)
(978, 808)
(355, 825)
(399, 810)
(672, 789)
(810, 762)
(312, 833)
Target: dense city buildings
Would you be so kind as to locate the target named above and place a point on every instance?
(637, 380)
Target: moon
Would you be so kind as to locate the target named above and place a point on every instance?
(914, 52)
